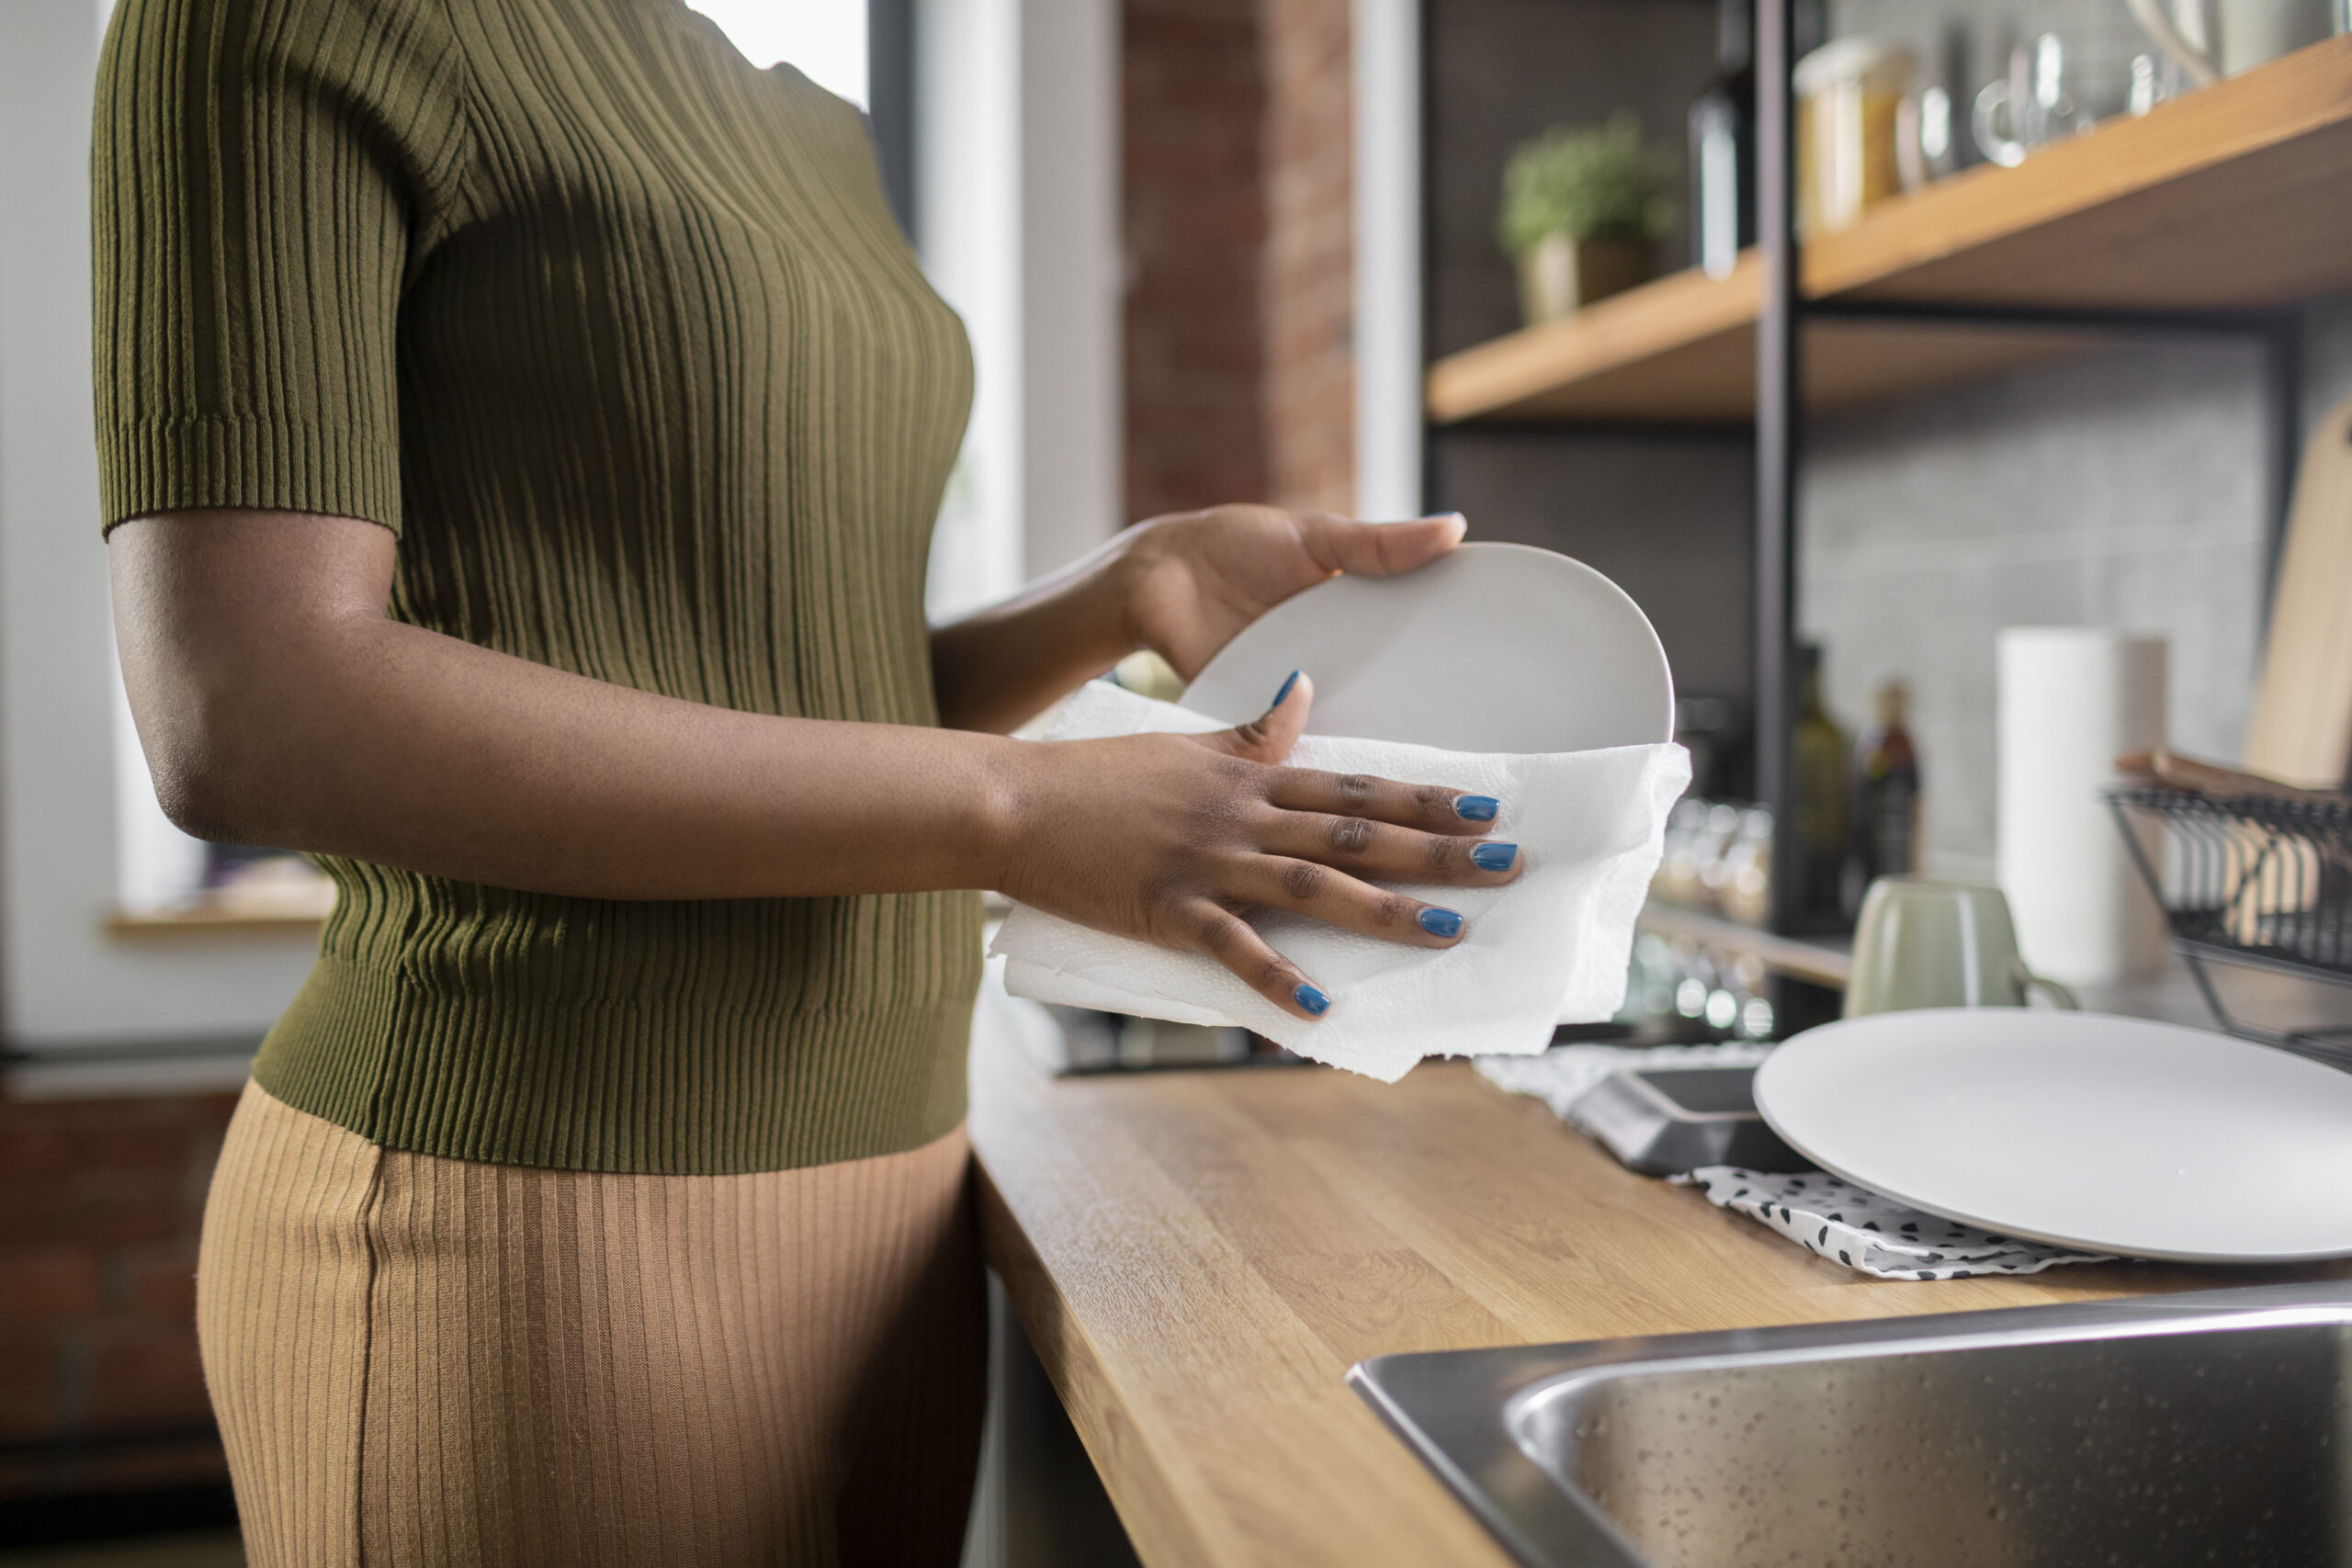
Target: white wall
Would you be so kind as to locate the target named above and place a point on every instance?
(1386, 50)
(1017, 129)
(967, 185)
(62, 981)
(1072, 409)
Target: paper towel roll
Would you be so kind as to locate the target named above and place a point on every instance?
(2072, 700)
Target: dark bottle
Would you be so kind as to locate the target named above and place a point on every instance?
(1817, 756)
(1722, 155)
(1886, 791)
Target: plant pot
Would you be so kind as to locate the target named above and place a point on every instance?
(1559, 275)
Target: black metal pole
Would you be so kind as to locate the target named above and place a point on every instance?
(1778, 415)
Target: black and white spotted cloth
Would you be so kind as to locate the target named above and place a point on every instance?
(1874, 1236)
(1833, 1218)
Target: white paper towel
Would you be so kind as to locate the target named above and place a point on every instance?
(1551, 946)
(2072, 700)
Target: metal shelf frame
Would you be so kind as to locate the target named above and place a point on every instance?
(1780, 418)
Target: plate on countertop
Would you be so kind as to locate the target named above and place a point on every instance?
(2082, 1130)
(1491, 647)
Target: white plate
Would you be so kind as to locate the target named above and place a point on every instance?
(2111, 1134)
(1491, 648)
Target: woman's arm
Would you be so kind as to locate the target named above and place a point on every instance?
(278, 704)
(1180, 585)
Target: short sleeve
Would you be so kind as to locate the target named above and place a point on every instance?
(265, 176)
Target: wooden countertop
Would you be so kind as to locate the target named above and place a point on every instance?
(1198, 1256)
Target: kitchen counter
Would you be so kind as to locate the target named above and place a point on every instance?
(1198, 1256)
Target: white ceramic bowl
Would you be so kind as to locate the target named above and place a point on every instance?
(1491, 648)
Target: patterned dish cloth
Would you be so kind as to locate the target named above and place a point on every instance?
(1868, 1233)
(1824, 1215)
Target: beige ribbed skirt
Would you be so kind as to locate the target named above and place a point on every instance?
(423, 1361)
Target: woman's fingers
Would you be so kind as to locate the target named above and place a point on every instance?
(1375, 827)
(1377, 549)
(1429, 807)
(1385, 852)
(1269, 736)
(1323, 893)
(1232, 941)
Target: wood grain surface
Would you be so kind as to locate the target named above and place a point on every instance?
(2302, 727)
(1198, 1256)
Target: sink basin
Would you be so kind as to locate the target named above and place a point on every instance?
(2213, 1428)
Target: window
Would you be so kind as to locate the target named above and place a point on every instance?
(824, 40)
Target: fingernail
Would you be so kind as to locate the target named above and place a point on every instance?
(1440, 923)
(1476, 807)
(1283, 692)
(1313, 1001)
(1494, 857)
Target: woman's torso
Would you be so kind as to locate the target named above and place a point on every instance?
(675, 408)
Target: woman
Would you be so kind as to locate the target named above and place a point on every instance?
(521, 424)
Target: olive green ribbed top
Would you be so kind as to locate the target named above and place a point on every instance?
(617, 334)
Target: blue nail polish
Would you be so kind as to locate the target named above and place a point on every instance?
(1313, 1001)
(1283, 692)
(1494, 857)
(1440, 923)
(1476, 807)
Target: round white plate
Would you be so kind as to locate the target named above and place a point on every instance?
(2110, 1135)
(1491, 648)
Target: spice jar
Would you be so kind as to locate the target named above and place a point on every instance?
(1849, 98)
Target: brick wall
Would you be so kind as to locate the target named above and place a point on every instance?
(1241, 266)
(1193, 224)
(1308, 275)
(100, 1205)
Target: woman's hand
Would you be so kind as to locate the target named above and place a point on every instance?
(1194, 580)
(1181, 585)
(1169, 838)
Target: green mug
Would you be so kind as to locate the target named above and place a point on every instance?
(1939, 944)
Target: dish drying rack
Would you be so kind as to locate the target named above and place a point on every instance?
(2253, 880)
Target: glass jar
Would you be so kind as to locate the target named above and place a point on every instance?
(1850, 96)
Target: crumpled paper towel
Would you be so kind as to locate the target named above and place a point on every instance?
(1550, 947)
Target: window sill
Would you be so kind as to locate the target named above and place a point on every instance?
(208, 921)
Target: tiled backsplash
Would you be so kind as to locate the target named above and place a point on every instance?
(2122, 490)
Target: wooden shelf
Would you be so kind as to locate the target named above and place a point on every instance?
(2229, 198)
(1818, 960)
(202, 922)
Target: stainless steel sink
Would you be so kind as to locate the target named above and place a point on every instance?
(2164, 1432)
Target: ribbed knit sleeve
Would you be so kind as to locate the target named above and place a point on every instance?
(265, 176)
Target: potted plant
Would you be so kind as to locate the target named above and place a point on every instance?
(1582, 211)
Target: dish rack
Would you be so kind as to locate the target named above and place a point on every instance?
(2250, 880)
